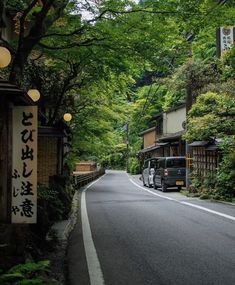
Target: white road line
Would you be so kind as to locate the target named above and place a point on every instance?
(185, 203)
(153, 193)
(93, 264)
(210, 211)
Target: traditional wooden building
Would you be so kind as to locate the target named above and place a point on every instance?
(205, 157)
(52, 148)
(85, 166)
(10, 98)
(50, 144)
(165, 138)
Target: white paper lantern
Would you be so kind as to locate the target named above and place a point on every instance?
(5, 57)
(34, 94)
(67, 117)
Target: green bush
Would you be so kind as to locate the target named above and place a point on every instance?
(205, 196)
(134, 166)
(225, 185)
(30, 273)
(209, 181)
(195, 183)
(54, 203)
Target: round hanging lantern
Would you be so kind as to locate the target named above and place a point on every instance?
(34, 94)
(67, 117)
(5, 57)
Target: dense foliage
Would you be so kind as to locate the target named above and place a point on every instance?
(110, 63)
(211, 117)
(28, 273)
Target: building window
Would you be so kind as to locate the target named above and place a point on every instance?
(159, 127)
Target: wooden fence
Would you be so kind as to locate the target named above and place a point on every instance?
(81, 179)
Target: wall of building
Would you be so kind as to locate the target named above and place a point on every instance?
(47, 158)
(5, 150)
(172, 121)
(149, 139)
(85, 166)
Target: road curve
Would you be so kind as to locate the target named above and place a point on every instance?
(141, 238)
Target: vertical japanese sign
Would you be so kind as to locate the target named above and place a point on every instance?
(24, 165)
(226, 39)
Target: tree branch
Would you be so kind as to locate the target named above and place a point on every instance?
(87, 42)
(114, 12)
(150, 11)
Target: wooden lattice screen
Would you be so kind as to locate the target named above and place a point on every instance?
(204, 161)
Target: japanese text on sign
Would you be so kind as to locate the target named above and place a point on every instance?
(226, 38)
(24, 165)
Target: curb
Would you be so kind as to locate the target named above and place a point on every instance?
(211, 200)
(64, 228)
(222, 202)
(72, 217)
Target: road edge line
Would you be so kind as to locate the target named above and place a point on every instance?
(209, 210)
(155, 194)
(93, 264)
(185, 203)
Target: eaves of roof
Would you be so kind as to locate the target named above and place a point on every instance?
(50, 132)
(170, 137)
(168, 111)
(14, 94)
(149, 149)
(147, 131)
(199, 143)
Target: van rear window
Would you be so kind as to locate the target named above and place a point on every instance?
(153, 163)
(175, 162)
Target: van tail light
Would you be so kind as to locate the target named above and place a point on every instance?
(165, 172)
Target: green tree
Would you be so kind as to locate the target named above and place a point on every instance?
(211, 116)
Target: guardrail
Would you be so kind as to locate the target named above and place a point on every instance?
(81, 179)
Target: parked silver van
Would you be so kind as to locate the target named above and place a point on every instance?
(170, 172)
(148, 171)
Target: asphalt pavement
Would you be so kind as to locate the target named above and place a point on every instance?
(129, 234)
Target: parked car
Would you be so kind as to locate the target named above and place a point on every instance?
(170, 172)
(148, 171)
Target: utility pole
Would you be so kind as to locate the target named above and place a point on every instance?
(127, 147)
(189, 102)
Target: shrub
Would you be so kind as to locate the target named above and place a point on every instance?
(225, 185)
(195, 183)
(134, 166)
(29, 273)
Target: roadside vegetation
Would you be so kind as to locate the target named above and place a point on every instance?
(113, 70)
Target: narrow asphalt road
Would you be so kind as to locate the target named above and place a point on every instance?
(143, 236)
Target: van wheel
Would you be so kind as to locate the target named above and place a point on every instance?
(154, 185)
(144, 182)
(179, 188)
(164, 188)
(149, 185)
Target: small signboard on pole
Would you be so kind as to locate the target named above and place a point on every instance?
(24, 165)
(225, 39)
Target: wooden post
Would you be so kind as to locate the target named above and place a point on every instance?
(3, 159)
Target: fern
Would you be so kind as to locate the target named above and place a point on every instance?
(30, 273)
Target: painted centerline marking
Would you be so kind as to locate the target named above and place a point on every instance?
(184, 203)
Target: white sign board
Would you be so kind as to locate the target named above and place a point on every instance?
(24, 165)
(226, 38)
